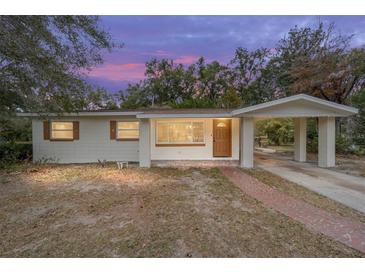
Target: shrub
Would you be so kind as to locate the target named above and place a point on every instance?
(11, 152)
(278, 131)
(312, 135)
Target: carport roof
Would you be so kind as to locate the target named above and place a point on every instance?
(300, 105)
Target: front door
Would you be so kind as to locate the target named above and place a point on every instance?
(222, 138)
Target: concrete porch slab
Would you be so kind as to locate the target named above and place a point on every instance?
(194, 163)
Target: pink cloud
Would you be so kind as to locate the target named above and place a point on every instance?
(119, 72)
(157, 53)
(186, 59)
(162, 53)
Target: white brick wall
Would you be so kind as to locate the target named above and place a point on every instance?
(94, 143)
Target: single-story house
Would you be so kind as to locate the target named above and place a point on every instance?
(146, 135)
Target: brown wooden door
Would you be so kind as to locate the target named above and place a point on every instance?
(222, 138)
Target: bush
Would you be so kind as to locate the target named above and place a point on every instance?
(312, 135)
(11, 153)
(278, 131)
(312, 144)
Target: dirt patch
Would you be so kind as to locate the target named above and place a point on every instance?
(88, 211)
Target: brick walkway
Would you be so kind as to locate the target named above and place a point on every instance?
(344, 230)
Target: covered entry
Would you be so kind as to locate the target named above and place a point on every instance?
(299, 107)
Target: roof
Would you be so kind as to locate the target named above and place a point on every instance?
(186, 113)
(300, 105)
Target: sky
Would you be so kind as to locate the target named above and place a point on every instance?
(185, 38)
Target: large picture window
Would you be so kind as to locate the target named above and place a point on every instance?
(62, 130)
(128, 130)
(180, 133)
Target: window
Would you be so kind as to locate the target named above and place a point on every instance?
(188, 133)
(127, 130)
(62, 131)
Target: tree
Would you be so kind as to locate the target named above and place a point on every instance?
(99, 99)
(358, 132)
(42, 59)
(135, 96)
(319, 62)
(279, 131)
(246, 71)
(230, 99)
(212, 79)
(195, 103)
(168, 82)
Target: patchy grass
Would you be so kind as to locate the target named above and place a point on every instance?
(305, 194)
(89, 211)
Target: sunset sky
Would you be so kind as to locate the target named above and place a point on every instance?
(185, 38)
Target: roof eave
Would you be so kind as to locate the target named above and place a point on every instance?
(77, 114)
(185, 115)
(346, 110)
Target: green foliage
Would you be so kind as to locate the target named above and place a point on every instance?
(41, 60)
(99, 99)
(313, 60)
(317, 61)
(41, 63)
(342, 145)
(15, 128)
(11, 153)
(312, 135)
(279, 131)
(358, 101)
(212, 79)
(247, 69)
(137, 96)
(230, 99)
(194, 103)
(174, 84)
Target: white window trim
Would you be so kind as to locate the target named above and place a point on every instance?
(179, 143)
(118, 130)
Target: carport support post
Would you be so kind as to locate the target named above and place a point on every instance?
(247, 142)
(326, 142)
(300, 139)
(144, 143)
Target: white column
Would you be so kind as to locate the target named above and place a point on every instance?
(300, 139)
(144, 143)
(247, 142)
(326, 142)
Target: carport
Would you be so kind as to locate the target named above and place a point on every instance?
(299, 107)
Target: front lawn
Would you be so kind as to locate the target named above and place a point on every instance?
(89, 211)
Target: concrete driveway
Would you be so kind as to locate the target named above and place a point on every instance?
(346, 189)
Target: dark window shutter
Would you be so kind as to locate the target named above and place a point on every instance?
(113, 130)
(46, 130)
(76, 129)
